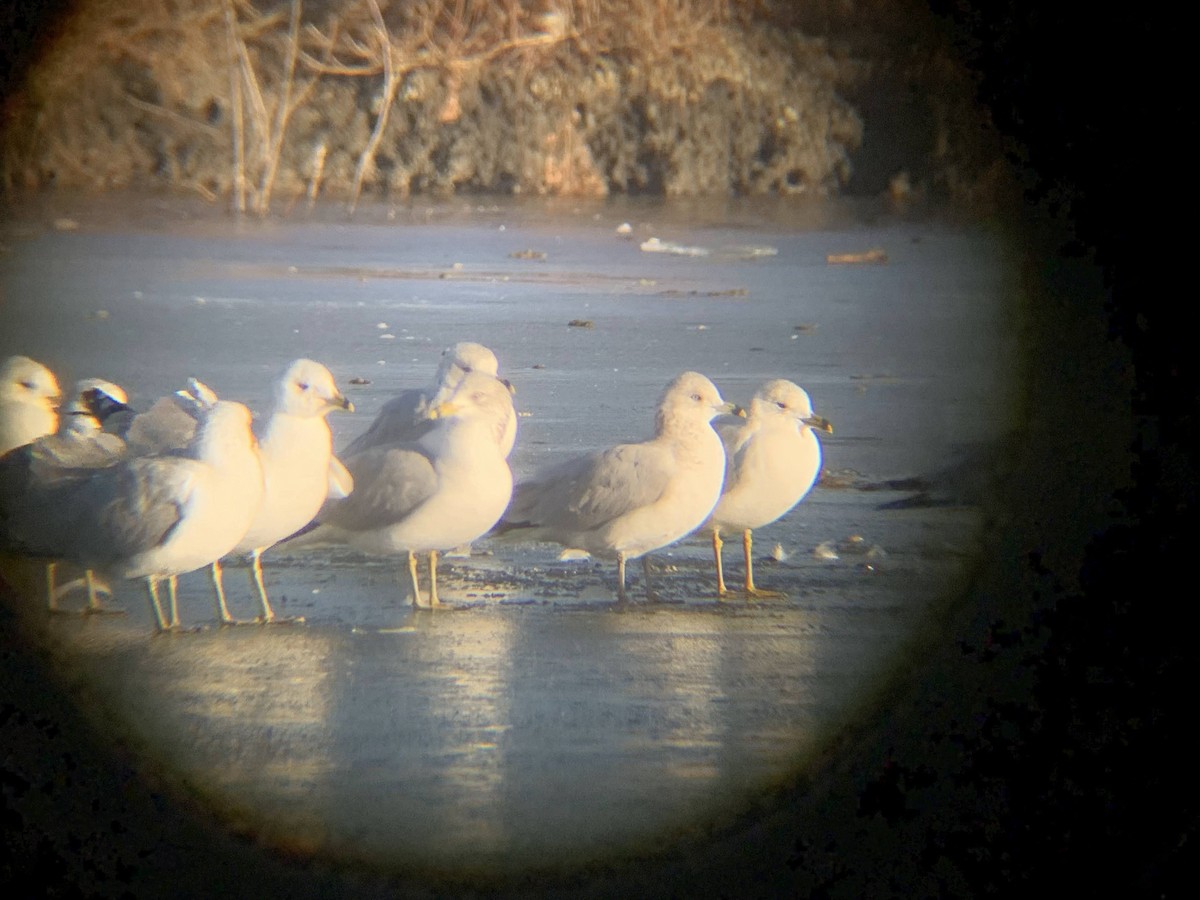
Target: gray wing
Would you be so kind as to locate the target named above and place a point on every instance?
(400, 421)
(586, 492)
(17, 508)
(47, 458)
(129, 509)
(162, 428)
(62, 452)
(35, 480)
(99, 516)
(389, 483)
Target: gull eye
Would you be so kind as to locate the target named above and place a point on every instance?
(28, 385)
(696, 397)
(781, 404)
(303, 385)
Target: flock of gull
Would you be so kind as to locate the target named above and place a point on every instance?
(195, 480)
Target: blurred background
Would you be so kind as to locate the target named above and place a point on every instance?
(267, 103)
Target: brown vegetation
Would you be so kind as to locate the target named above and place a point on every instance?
(272, 101)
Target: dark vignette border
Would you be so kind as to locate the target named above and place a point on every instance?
(1045, 745)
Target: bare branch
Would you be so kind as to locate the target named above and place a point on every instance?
(387, 95)
(235, 96)
(283, 113)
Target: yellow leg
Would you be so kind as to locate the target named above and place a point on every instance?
(748, 550)
(717, 544)
(173, 591)
(621, 595)
(155, 607)
(412, 574)
(268, 614)
(218, 581)
(433, 594)
(90, 580)
(751, 590)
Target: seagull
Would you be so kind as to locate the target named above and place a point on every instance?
(295, 448)
(772, 460)
(77, 446)
(445, 489)
(296, 451)
(157, 517)
(80, 442)
(632, 499)
(403, 418)
(28, 394)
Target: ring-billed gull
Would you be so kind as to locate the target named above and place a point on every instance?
(80, 441)
(296, 450)
(28, 394)
(632, 499)
(108, 401)
(443, 490)
(403, 418)
(295, 447)
(772, 460)
(78, 445)
(160, 516)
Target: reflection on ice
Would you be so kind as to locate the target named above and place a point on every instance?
(536, 722)
(479, 736)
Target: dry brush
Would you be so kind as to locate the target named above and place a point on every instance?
(271, 103)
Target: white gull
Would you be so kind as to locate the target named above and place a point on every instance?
(78, 445)
(773, 459)
(28, 394)
(426, 496)
(403, 418)
(158, 517)
(632, 499)
(299, 469)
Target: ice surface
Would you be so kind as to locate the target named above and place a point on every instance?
(536, 722)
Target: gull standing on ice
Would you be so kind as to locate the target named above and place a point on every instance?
(78, 445)
(299, 469)
(158, 517)
(773, 458)
(28, 394)
(403, 418)
(430, 495)
(632, 499)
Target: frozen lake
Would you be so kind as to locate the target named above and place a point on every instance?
(536, 723)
